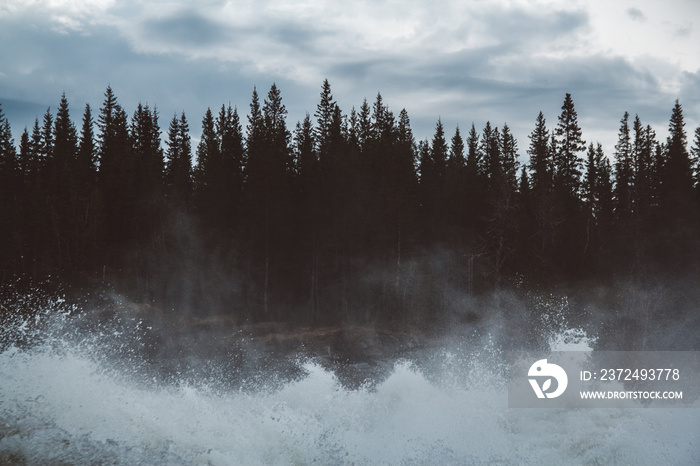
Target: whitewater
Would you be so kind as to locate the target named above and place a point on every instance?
(77, 394)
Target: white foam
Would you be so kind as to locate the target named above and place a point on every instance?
(63, 407)
(59, 403)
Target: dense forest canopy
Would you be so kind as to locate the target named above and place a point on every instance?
(342, 217)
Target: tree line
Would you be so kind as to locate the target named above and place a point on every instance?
(343, 218)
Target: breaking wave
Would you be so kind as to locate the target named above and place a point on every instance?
(73, 390)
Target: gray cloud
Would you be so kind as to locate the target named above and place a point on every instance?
(636, 14)
(185, 28)
(463, 64)
(684, 31)
(525, 27)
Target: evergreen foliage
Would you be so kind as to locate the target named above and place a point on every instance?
(342, 219)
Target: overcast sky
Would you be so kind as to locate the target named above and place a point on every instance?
(462, 61)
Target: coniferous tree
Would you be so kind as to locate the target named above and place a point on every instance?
(24, 155)
(269, 171)
(455, 185)
(324, 121)
(303, 216)
(596, 181)
(62, 187)
(679, 215)
(643, 193)
(658, 163)
(309, 205)
(229, 179)
(457, 158)
(604, 190)
(209, 164)
(9, 194)
(695, 151)
(305, 154)
(86, 168)
(541, 167)
(624, 175)
(404, 201)
(9, 163)
(36, 161)
(433, 166)
(474, 185)
(34, 218)
(623, 193)
(64, 152)
(115, 176)
(364, 132)
(147, 152)
(569, 251)
(508, 157)
(590, 181)
(178, 160)
(426, 170)
(86, 203)
(439, 153)
(502, 221)
(642, 155)
(490, 157)
(604, 208)
(567, 164)
(46, 150)
(149, 212)
(326, 138)
(541, 158)
(526, 224)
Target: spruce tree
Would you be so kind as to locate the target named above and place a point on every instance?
(9, 164)
(115, 176)
(404, 203)
(455, 185)
(85, 206)
(491, 169)
(456, 159)
(229, 181)
(624, 176)
(474, 186)
(62, 187)
(695, 151)
(209, 164)
(178, 160)
(508, 157)
(86, 168)
(439, 154)
(364, 134)
(149, 211)
(433, 166)
(590, 181)
(148, 155)
(65, 148)
(307, 192)
(678, 212)
(541, 158)
(569, 233)
(46, 145)
(324, 117)
(567, 164)
(10, 190)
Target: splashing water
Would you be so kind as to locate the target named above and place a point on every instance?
(62, 402)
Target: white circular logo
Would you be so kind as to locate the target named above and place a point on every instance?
(545, 371)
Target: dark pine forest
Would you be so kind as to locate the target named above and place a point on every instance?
(342, 218)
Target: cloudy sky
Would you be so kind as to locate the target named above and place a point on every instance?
(461, 61)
